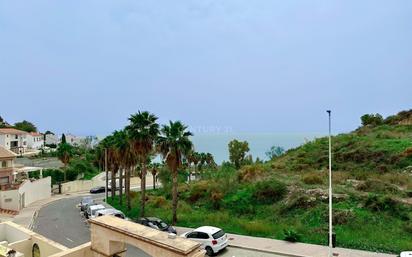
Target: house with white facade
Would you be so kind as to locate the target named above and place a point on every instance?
(14, 140)
(74, 140)
(51, 139)
(35, 140)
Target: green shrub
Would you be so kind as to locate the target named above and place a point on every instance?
(377, 186)
(408, 228)
(291, 235)
(269, 191)
(312, 179)
(240, 202)
(388, 204)
(250, 173)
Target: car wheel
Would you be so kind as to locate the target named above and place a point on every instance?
(209, 251)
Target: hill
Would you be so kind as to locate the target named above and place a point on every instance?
(286, 198)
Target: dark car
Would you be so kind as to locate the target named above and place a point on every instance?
(156, 223)
(97, 190)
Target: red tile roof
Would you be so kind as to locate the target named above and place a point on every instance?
(12, 131)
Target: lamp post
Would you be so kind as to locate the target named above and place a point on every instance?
(330, 186)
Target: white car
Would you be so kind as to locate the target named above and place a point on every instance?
(92, 209)
(110, 211)
(213, 239)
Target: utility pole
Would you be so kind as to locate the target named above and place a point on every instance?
(107, 175)
(330, 186)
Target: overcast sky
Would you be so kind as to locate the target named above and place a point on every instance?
(238, 65)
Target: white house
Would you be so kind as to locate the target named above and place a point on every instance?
(35, 140)
(74, 140)
(52, 139)
(13, 139)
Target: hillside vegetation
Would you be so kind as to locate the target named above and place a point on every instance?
(286, 198)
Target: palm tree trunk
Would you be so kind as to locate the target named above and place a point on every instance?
(129, 206)
(143, 190)
(174, 200)
(113, 183)
(121, 186)
(154, 181)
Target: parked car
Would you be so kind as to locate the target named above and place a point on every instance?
(97, 190)
(87, 200)
(213, 239)
(110, 211)
(91, 210)
(156, 223)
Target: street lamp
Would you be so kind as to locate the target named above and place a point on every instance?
(330, 186)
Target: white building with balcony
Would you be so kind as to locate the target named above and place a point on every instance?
(14, 140)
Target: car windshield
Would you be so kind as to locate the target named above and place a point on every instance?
(218, 234)
(162, 225)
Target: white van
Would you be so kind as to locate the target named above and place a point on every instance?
(91, 210)
(110, 211)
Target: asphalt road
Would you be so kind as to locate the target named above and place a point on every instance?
(62, 222)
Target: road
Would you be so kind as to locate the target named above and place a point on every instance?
(62, 222)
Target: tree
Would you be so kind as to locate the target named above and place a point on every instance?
(64, 141)
(237, 152)
(65, 153)
(143, 131)
(25, 126)
(274, 151)
(372, 119)
(154, 169)
(174, 144)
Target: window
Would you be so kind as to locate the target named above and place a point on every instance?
(202, 235)
(192, 235)
(16, 137)
(4, 164)
(4, 180)
(36, 251)
(218, 234)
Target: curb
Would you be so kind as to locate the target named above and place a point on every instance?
(267, 251)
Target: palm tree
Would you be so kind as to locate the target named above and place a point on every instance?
(143, 131)
(154, 169)
(174, 144)
(65, 153)
(122, 147)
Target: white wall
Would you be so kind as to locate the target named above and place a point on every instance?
(37, 190)
(10, 200)
(31, 191)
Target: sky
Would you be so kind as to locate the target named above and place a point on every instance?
(262, 66)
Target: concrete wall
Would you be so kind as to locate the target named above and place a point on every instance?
(79, 251)
(37, 190)
(99, 180)
(22, 240)
(27, 193)
(10, 200)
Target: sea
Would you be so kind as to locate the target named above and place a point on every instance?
(259, 143)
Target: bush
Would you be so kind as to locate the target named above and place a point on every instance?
(377, 186)
(158, 201)
(388, 204)
(250, 173)
(291, 236)
(269, 191)
(312, 179)
(240, 202)
(408, 228)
